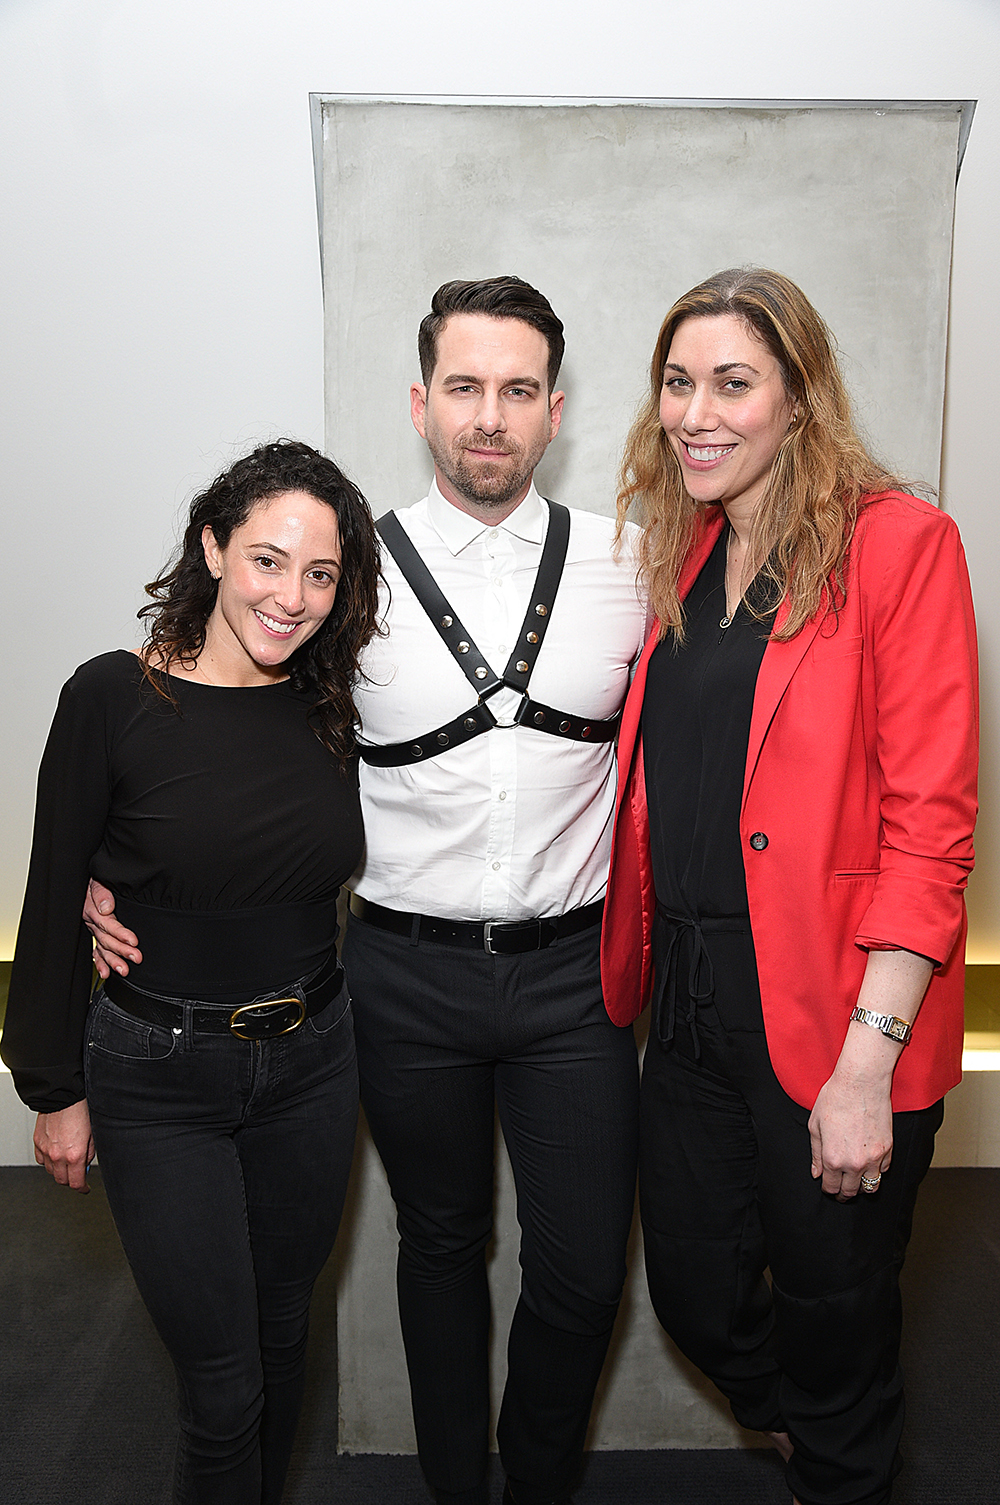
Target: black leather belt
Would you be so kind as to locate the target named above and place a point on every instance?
(498, 937)
(258, 1019)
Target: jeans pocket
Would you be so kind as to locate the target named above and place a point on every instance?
(329, 1018)
(113, 1032)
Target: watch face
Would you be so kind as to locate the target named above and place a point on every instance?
(895, 1029)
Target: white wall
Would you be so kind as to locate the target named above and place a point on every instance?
(159, 269)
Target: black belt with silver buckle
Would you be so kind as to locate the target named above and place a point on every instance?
(498, 937)
(260, 1019)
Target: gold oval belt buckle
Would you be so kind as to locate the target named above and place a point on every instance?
(239, 1029)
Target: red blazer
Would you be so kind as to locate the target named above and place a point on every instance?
(859, 801)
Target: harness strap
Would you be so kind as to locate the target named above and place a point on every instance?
(452, 631)
(479, 719)
(464, 650)
(561, 724)
(471, 723)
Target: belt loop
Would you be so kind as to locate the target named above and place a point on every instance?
(415, 931)
(188, 1026)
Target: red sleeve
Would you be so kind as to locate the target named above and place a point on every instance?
(917, 611)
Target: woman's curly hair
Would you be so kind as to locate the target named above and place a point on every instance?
(184, 593)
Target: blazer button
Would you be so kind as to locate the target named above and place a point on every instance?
(758, 841)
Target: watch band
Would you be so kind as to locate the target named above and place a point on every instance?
(889, 1024)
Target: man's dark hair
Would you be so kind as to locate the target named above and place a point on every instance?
(499, 298)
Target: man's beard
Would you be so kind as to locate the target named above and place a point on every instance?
(479, 481)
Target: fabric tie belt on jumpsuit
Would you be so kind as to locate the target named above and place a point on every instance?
(685, 977)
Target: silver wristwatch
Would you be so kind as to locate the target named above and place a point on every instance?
(889, 1024)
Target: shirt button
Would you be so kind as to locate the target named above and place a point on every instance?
(494, 532)
(496, 867)
(502, 795)
(758, 841)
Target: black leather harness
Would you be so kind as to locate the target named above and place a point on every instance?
(460, 644)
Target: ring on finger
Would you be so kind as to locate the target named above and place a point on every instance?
(870, 1183)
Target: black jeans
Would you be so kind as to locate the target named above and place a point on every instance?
(443, 1035)
(725, 1192)
(225, 1163)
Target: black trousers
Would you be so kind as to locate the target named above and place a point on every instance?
(726, 1192)
(443, 1035)
(225, 1163)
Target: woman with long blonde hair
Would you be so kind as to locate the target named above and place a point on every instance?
(792, 843)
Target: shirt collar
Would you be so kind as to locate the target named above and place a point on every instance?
(457, 529)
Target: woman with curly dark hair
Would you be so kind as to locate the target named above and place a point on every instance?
(211, 782)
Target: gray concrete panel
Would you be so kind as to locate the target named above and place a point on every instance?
(614, 211)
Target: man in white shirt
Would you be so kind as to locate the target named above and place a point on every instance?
(473, 947)
(462, 998)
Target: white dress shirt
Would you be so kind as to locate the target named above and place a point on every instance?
(514, 824)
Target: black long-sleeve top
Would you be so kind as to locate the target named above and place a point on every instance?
(224, 828)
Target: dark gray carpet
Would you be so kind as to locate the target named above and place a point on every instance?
(86, 1392)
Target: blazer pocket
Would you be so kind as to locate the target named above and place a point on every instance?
(856, 874)
(841, 645)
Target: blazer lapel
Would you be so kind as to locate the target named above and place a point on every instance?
(701, 548)
(779, 663)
